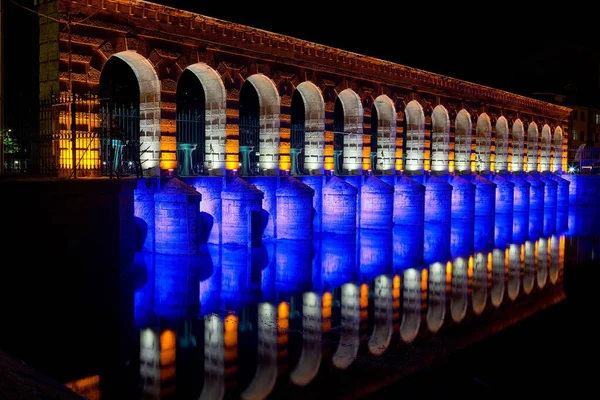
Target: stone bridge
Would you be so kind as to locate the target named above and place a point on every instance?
(390, 117)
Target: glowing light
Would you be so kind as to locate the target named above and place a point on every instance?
(364, 295)
(449, 272)
(167, 347)
(424, 275)
(571, 170)
(283, 310)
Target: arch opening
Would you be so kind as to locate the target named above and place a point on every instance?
(501, 147)
(374, 128)
(440, 140)
(463, 135)
(385, 134)
(517, 146)
(129, 115)
(546, 149)
(483, 143)
(348, 133)
(308, 129)
(259, 138)
(298, 135)
(414, 137)
(532, 147)
(558, 150)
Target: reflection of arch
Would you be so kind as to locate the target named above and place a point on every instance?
(440, 139)
(349, 336)
(479, 298)
(310, 359)
(498, 257)
(460, 286)
(314, 126)
(546, 149)
(386, 134)
(501, 147)
(532, 147)
(149, 105)
(411, 305)
(529, 267)
(414, 136)
(514, 271)
(542, 269)
(558, 149)
(351, 122)
(436, 310)
(517, 146)
(215, 99)
(383, 328)
(483, 142)
(214, 364)
(554, 258)
(462, 141)
(266, 369)
(267, 124)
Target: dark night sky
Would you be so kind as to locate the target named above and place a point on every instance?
(514, 47)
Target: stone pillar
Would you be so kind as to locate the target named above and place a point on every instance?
(177, 208)
(339, 207)
(316, 183)
(503, 230)
(436, 243)
(210, 188)
(562, 191)
(294, 209)
(438, 200)
(536, 193)
(241, 205)
(267, 185)
(143, 205)
(463, 197)
(505, 194)
(522, 189)
(376, 204)
(357, 182)
(338, 260)
(409, 202)
(408, 244)
(550, 190)
(462, 237)
(485, 196)
(375, 253)
(352, 156)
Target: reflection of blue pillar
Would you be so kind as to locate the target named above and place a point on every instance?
(520, 227)
(176, 284)
(375, 253)
(338, 260)
(484, 234)
(210, 287)
(550, 191)
(143, 295)
(240, 282)
(536, 224)
(436, 242)
(462, 237)
(562, 221)
(503, 230)
(549, 221)
(408, 247)
(562, 191)
(294, 266)
(264, 259)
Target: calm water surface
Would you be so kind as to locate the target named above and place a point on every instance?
(336, 317)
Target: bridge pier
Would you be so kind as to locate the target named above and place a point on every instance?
(521, 191)
(536, 193)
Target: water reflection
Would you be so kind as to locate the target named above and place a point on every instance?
(275, 318)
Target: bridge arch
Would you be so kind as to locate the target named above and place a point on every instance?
(546, 149)
(463, 136)
(128, 81)
(440, 139)
(201, 115)
(308, 128)
(501, 159)
(518, 137)
(532, 147)
(259, 126)
(414, 136)
(383, 130)
(348, 146)
(483, 142)
(558, 149)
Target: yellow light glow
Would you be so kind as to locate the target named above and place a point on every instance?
(449, 272)
(167, 347)
(326, 311)
(88, 387)
(283, 310)
(489, 262)
(424, 275)
(364, 295)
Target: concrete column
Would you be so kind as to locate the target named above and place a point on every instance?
(339, 207)
(241, 205)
